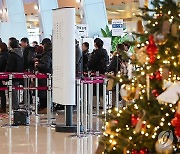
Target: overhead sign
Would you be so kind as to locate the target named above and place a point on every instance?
(82, 30)
(117, 27)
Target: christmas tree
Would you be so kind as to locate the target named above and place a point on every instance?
(135, 128)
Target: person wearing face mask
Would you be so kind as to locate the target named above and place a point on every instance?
(4, 54)
(99, 58)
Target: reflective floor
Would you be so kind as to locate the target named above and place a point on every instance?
(36, 139)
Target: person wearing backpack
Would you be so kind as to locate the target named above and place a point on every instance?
(119, 61)
(15, 63)
(99, 58)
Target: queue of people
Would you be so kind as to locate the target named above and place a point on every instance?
(99, 60)
(21, 57)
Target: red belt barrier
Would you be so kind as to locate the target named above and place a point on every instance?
(95, 78)
(92, 81)
(3, 88)
(35, 88)
(3, 76)
(22, 88)
(23, 75)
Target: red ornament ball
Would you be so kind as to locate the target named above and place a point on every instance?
(176, 124)
(134, 151)
(155, 93)
(151, 77)
(143, 151)
(158, 75)
(134, 120)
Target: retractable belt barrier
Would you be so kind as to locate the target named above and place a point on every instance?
(85, 103)
(10, 76)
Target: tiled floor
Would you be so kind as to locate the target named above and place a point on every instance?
(36, 139)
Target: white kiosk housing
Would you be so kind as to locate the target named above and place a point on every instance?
(64, 61)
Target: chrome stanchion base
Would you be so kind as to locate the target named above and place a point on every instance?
(66, 129)
(79, 136)
(9, 126)
(94, 132)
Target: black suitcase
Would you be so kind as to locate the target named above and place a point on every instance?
(21, 117)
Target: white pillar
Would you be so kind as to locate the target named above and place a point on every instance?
(45, 17)
(95, 16)
(14, 24)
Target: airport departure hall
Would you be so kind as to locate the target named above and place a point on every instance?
(89, 76)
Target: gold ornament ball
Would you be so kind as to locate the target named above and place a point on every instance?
(127, 92)
(174, 29)
(141, 55)
(166, 148)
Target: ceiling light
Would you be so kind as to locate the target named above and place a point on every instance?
(36, 7)
(120, 10)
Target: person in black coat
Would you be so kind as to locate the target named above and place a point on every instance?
(44, 65)
(15, 63)
(99, 58)
(29, 54)
(85, 49)
(3, 62)
(79, 60)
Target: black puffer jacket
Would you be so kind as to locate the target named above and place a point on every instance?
(79, 61)
(29, 55)
(99, 61)
(86, 56)
(15, 61)
(45, 63)
(3, 60)
(44, 66)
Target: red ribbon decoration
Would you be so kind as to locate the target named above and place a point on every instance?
(152, 49)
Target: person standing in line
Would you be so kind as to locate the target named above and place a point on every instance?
(85, 49)
(15, 63)
(44, 65)
(119, 60)
(98, 62)
(99, 58)
(79, 60)
(29, 54)
(4, 54)
(35, 44)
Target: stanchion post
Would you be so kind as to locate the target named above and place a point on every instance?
(82, 104)
(97, 103)
(91, 106)
(110, 99)
(78, 83)
(117, 95)
(36, 95)
(10, 98)
(85, 109)
(104, 97)
(49, 100)
(28, 94)
(25, 93)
